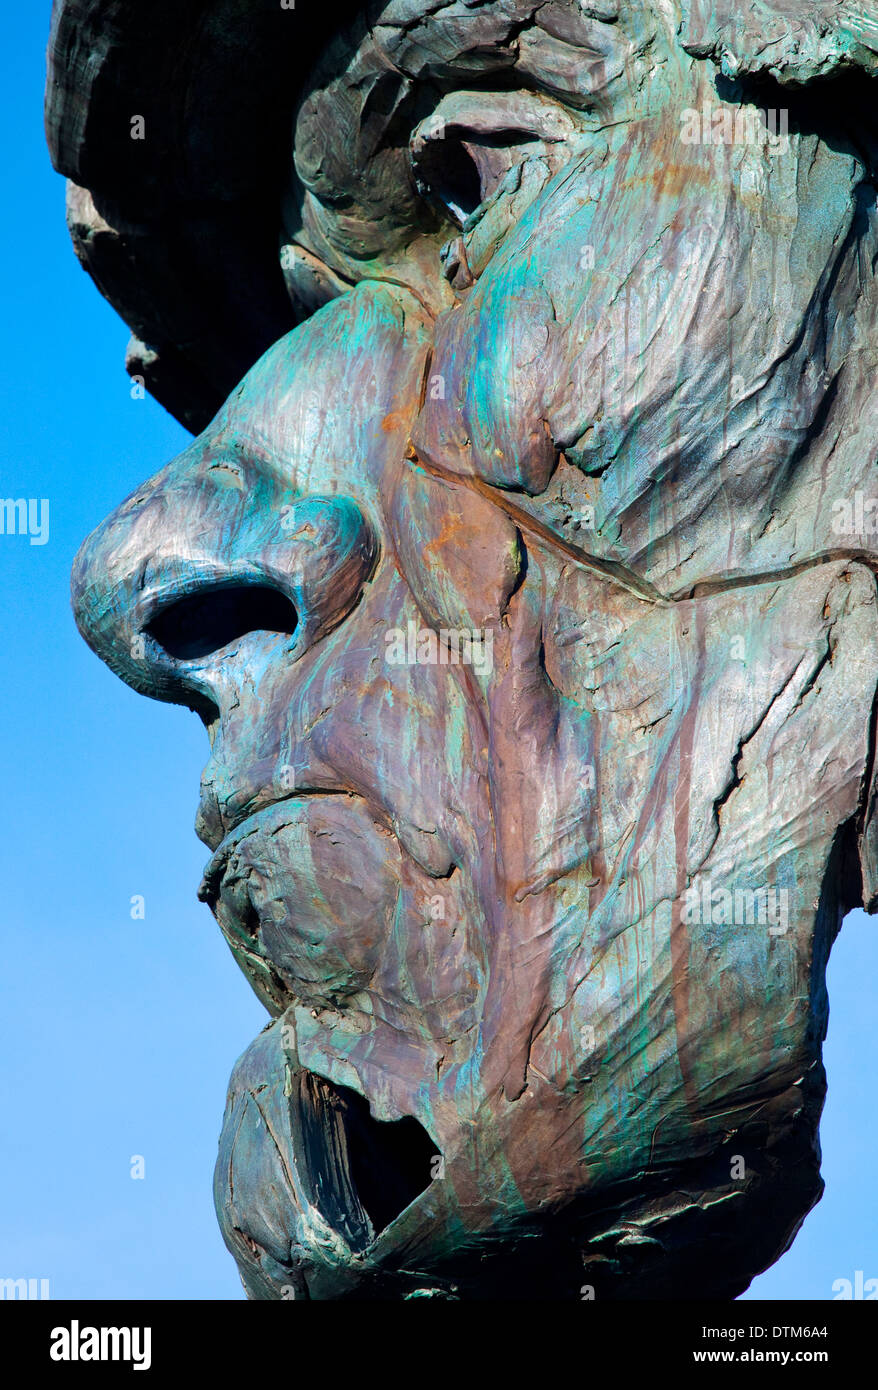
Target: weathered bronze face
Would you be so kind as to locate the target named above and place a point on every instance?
(527, 592)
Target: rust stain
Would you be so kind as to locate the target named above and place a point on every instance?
(454, 532)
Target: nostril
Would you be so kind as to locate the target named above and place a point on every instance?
(205, 622)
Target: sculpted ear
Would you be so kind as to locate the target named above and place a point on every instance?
(793, 44)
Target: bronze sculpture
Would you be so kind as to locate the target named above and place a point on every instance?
(526, 589)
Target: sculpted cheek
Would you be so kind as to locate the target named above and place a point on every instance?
(488, 376)
(603, 328)
(460, 554)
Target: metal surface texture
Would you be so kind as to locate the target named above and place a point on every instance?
(523, 575)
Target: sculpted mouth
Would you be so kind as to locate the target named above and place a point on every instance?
(306, 892)
(339, 1169)
(360, 1173)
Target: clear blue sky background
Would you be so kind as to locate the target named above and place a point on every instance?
(118, 1035)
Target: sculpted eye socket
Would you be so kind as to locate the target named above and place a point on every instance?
(460, 154)
(204, 622)
(460, 174)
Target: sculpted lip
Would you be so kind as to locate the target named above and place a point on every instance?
(346, 1175)
(305, 889)
(250, 824)
(306, 892)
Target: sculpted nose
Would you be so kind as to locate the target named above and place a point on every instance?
(212, 563)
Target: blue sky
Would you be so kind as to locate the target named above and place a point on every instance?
(118, 1034)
